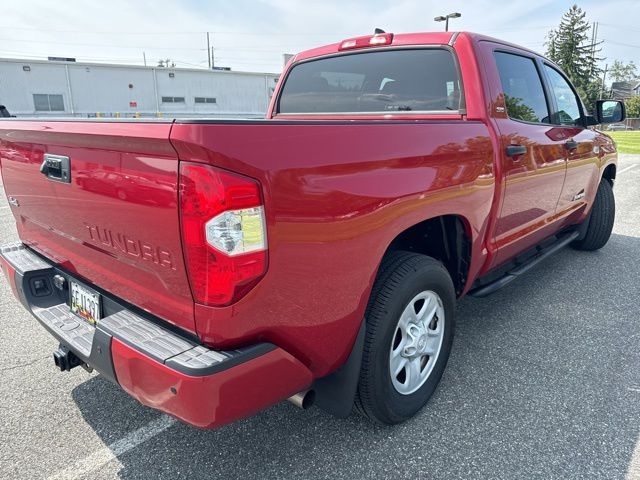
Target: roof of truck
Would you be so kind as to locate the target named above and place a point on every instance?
(417, 38)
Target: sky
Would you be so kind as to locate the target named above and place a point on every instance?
(253, 35)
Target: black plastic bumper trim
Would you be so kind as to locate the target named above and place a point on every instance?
(241, 356)
(93, 344)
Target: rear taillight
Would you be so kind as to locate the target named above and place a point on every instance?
(223, 233)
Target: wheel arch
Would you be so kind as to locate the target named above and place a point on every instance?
(446, 238)
(450, 233)
(609, 173)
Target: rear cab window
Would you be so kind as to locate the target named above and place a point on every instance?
(411, 80)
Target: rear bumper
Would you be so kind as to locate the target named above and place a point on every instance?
(160, 367)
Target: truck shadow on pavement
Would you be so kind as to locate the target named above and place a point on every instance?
(542, 382)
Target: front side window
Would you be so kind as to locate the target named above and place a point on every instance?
(522, 88)
(568, 110)
(407, 80)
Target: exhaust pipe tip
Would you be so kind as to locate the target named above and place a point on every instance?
(304, 399)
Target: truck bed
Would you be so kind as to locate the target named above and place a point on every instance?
(329, 188)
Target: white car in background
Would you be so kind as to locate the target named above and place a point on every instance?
(615, 127)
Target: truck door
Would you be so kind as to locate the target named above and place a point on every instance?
(583, 167)
(533, 160)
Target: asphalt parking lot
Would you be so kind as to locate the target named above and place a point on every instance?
(543, 382)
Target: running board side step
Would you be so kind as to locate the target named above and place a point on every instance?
(518, 270)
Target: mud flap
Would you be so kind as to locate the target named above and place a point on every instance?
(336, 392)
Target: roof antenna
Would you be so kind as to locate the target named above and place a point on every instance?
(378, 31)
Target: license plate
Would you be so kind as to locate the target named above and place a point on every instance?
(85, 303)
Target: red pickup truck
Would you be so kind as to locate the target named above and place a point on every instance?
(213, 268)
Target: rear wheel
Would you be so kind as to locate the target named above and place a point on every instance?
(410, 325)
(600, 220)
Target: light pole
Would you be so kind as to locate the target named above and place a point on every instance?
(446, 19)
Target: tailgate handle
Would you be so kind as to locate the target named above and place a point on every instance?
(56, 168)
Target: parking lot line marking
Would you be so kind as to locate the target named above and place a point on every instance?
(626, 169)
(634, 389)
(633, 472)
(103, 456)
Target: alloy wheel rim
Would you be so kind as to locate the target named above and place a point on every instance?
(417, 342)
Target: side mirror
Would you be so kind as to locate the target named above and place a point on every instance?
(610, 111)
(4, 112)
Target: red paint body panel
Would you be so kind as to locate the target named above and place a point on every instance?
(116, 224)
(335, 198)
(535, 198)
(337, 189)
(214, 400)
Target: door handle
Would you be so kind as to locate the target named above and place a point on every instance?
(515, 150)
(571, 144)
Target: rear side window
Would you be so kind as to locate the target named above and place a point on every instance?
(412, 80)
(522, 87)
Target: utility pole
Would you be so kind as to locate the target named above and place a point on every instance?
(593, 34)
(144, 57)
(209, 51)
(213, 60)
(593, 46)
(594, 42)
(604, 77)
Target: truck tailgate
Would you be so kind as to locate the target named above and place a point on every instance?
(115, 223)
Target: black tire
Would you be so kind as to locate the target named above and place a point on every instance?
(402, 275)
(600, 221)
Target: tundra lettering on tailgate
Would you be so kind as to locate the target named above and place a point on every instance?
(131, 246)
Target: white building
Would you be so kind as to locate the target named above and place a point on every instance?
(61, 88)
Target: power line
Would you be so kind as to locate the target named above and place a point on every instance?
(276, 48)
(500, 30)
(262, 33)
(98, 32)
(622, 44)
(619, 27)
(166, 32)
(100, 45)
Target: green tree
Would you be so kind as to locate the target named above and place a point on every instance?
(633, 107)
(571, 48)
(623, 72)
(517, 109)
